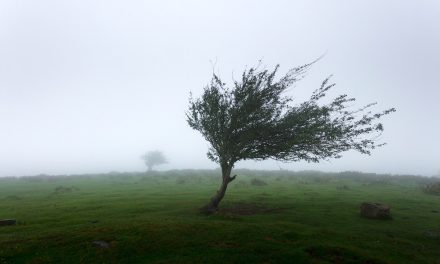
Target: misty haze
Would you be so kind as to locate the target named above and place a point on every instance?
(233, 131)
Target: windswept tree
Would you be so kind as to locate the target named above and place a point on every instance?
(153, 158)
(255, 119)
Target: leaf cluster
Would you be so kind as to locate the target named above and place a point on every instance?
(256, 120)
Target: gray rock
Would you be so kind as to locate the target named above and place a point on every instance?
(8, 222)
(375, 211)
(432, 234)
(101, 244)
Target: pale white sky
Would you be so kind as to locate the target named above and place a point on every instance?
(89, 86)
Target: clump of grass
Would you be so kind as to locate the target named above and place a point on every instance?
(13, 198)
(258, 182)
(62, 189)
(242, 183)
(320, 179)
(279, 178)
(343, 187)
(433, 188)
(180, 180)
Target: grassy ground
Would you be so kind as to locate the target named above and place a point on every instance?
(306, 217)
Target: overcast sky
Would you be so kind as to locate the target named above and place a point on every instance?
(89, 86)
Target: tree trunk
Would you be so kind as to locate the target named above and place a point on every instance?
(212, 206)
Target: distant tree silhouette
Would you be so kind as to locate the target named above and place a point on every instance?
(255, 120)
(153, 158)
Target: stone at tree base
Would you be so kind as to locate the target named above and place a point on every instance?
(7, 222)
(375, 211)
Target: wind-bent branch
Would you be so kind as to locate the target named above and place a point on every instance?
(255, 120)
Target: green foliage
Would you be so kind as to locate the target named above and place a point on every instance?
(254, 120)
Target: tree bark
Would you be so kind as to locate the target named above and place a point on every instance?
(212, 206)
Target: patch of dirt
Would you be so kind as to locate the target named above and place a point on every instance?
(244, 208)
(8, 222)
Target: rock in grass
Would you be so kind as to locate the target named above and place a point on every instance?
(375, 211)
(8, 222)
(432, 234)
(101, 244)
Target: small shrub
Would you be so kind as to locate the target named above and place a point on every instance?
(433, 188)
(258, 182)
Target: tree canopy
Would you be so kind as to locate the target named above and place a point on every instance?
(153, 158)
(255, 119)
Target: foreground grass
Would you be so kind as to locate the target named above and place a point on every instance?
(307, 217)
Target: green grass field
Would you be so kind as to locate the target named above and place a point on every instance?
(302, 217)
